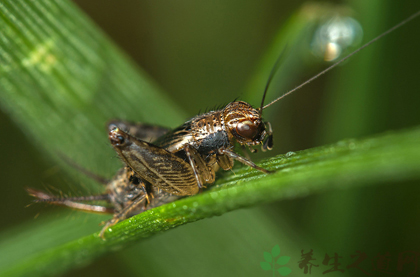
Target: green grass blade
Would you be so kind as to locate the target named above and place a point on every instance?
(61, 80)
(347, 164)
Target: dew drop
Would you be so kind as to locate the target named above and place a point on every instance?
(289, 154)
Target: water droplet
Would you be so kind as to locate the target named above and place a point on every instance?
(335, 36)
(289, 154)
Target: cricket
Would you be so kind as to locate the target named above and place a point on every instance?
(162, 165)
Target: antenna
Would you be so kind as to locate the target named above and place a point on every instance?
(272, 73)
(339, 62)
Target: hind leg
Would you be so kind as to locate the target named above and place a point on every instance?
(71, 201)
(124, 213)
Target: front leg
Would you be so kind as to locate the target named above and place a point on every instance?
(241, 159)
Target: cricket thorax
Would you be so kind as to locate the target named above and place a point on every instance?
(209, 133)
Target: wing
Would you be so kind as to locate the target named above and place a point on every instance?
(154, 164)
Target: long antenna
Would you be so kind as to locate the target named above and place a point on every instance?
(272, 73)
(343, 59)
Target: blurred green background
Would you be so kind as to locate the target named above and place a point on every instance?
(204, 54)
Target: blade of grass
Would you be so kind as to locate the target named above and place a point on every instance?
(350, 163)
(61, 80)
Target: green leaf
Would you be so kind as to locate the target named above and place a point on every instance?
(283, 260)
(275, 251)
(268, 257)
(284, 271)
(265, 265)
(59, 72)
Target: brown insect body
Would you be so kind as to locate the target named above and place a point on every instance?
(183, 160)
(175, 163)
(180, 162)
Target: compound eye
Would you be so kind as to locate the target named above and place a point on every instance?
(120, 139)
(247, 129)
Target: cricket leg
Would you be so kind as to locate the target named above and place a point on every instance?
(123, 213)
(71, 201)
(202, 172)
(246, 154)
(237, 157)
(225, 162)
